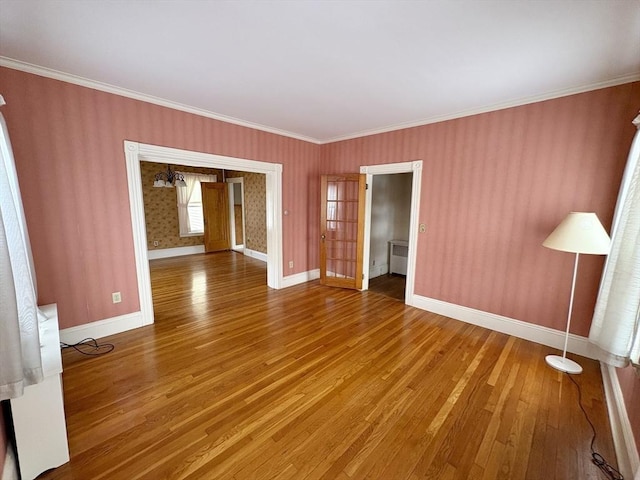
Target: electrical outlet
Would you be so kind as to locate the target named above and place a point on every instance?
(423, 228)
(291, 264)
(116, 297)
(156, 243)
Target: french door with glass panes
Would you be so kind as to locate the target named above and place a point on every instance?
(342, 230)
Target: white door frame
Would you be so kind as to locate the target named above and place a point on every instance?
(232, 217)
(136, 152)
(414, 167)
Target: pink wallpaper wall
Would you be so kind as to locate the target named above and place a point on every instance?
(68, 145)
(495, 185)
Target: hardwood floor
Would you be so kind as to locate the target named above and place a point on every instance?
(238, 381)
(389, 285)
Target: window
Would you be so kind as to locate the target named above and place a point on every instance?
(189, 198)
(194, 209)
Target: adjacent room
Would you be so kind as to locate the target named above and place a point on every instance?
(320, 240)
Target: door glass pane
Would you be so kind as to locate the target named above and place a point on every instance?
(331, 268)
(332, 191)
(341, 227)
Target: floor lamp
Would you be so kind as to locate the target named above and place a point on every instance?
(578, 233)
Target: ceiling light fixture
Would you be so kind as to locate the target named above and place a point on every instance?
(169, 179)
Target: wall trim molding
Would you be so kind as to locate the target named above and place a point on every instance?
(136, 152)
(255, 254)
(378, 270)
(105, 87)
(299, 278)
(633, 77)
(129, 321)
(415, 168)
(102, 328)
(174, 252)
(621, 431)
(517, 328)
(124, 92)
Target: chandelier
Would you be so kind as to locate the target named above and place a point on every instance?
(169, 179)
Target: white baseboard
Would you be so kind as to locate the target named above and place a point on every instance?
(102, 328)
(174, 252)
(517, 328)
(10, 469)
(299, 278)
(255, 254)
(180, 251)
(623, 439)
(378, 270)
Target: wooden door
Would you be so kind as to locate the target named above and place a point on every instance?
(215, 211)
(342, 230)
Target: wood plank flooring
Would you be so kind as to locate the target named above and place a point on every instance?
(238, 381)
(389, 285)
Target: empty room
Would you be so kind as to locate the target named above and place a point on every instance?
(359, 239)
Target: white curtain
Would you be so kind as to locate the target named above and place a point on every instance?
(184, 195)
(20, 361)
(616, 322)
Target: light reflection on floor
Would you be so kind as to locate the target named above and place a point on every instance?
(198, 290)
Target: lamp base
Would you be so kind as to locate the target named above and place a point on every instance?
(563, 364)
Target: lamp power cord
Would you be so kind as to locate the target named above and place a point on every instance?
(597, 459)
(89, 346)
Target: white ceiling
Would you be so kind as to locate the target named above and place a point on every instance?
(326, 70)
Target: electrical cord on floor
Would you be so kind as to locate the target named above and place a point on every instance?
(89, 346)
(596, 458)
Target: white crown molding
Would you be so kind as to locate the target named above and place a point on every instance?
(105, 87)
(124, 92)
(634, 77)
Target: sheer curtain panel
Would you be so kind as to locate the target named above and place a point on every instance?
(615, 327)
(184, 196)
(20, 361)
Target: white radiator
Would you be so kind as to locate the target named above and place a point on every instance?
(398, 253)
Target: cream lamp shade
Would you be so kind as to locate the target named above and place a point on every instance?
(580, 232)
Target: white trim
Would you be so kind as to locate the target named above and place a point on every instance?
(102, 328)
(274, 227)
(139, 230)
(105, 87)
(634, 77)
(517, 328)
(256, 254)
(136, 152)
(621, 431)
(10, 469)
(414, 167)
(378, 270)
(299, 278)
(232, 213)
(174, 252)
(124, 92)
